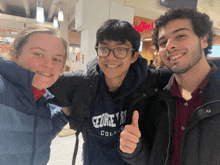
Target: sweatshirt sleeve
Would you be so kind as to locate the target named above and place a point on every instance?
(64, 88)
(139, 157)
(58, 119)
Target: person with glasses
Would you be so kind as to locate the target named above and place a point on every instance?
(103, 99)
(119, 53)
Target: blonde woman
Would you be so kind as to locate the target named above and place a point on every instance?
(28, 122)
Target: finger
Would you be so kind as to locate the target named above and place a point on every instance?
(126, 149)
(127, 136)
(135, 119)
(132, 130)
(127, 146)
(128, 143)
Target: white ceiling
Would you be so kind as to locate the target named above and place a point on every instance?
(145, 8)
(27, 8)
(152, 8)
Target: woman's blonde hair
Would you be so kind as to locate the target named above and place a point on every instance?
(23, 37)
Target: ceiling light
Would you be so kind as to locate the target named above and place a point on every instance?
(148, 39)
(60, 15)
(55, 22)
(40, 11)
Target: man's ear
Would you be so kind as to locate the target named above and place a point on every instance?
(204, 41)
(134, 57)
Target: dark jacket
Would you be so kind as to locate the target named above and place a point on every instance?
(200, 144)
(26, 127)
(200, 141)
(151, 66)
(78, 90)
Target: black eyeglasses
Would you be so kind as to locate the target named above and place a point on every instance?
(119, 53)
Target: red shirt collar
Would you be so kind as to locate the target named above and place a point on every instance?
(38, 93)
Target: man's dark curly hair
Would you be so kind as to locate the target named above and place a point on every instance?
(201, 24)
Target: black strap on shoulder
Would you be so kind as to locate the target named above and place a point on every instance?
(85, 95)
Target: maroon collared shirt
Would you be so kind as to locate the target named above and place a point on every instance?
(184, 111)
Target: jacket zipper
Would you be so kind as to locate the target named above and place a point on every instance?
(169, 137)
(34, 137)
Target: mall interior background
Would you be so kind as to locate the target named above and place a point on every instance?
(82, 18)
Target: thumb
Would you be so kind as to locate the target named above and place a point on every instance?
(135, 119)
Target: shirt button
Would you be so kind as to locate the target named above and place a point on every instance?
(183, 128)
(156, 90)
(144, 94)
(186, 104)
(208, 110)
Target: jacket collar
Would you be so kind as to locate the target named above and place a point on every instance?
(212, 91)
(165, 93)
(16, 74)
(45, 97)
(92, 67)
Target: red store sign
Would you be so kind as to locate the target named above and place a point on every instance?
(143, 26)
(9, 31)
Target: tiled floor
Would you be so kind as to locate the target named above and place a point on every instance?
(62, 150)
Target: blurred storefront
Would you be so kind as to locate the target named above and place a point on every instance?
(145, 27)
(74, 40)
(7, 37)
(216, 45)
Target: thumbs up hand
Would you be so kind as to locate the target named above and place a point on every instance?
(130, 135)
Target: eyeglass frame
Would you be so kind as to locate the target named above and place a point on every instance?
(127, 49)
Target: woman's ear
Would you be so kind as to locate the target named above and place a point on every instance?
(14, 55)
(63, 70)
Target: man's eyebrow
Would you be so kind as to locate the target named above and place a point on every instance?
(121, 43)
(38, 48)
(160, 38)
(103, 43)
(175, 31)
(118, 42)
(60, 55)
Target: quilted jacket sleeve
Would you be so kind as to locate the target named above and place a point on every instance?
(58, 119)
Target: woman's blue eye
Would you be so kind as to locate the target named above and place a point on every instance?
(57, 60)
(37, 54)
